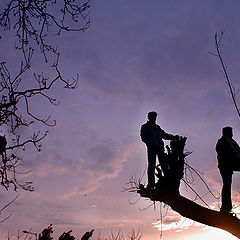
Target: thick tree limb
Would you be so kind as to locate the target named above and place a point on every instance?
(190, 209)
(167, 191)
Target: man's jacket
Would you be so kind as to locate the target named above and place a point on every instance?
(152, 135)
(228, 154)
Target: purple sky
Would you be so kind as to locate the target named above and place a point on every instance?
(137, 56)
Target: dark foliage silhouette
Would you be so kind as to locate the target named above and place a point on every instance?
(66, 236)
(87, 235)
(46, 234)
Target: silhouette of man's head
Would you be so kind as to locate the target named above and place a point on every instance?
(152, 116)
(227, 132)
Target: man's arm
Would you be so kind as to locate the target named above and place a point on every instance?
(168, 136)
(236, 146)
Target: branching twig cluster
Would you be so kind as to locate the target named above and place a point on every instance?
(33, 19)
(31, 22)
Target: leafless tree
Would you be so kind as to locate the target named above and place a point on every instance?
(32, 23)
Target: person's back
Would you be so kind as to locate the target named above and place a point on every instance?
(228, 151)
(151, 135)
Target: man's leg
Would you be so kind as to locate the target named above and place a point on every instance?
(226, 191)
(151, 167)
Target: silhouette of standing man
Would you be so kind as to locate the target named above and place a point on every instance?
(152, 135)
(228, 155)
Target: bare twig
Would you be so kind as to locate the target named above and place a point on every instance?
(32, 21)
(218, 54)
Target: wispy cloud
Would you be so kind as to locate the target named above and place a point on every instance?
(102, 161)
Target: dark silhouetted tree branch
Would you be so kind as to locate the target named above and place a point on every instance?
(167, 191)
(33, 23)
(32, 20)
(233, 92)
